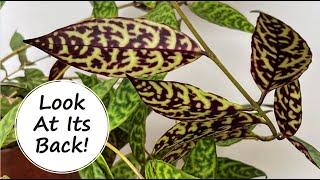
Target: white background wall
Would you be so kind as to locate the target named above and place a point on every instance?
(279, 159)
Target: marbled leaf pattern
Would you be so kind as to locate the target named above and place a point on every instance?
(164, 14)
(201, 161)
(230, 127)
(99, 169)
(232, 169)
(183, 102)
(287, 108)
(7, 123)
(121, 170)
(279, 54)
(309, 151)
(157, 169)
(221, 14)
(104, 9)
(119, 46)
(89, 80)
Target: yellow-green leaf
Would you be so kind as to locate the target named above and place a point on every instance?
(221, 14)
(287, 108)
(99, 169)
(157, 169)
(183, 101)
(121, 170)
(232, 169)
(104, 9)
(308, 150)
(119, 46)
(16, 42)
(7, 123)
(87, 80)
(279, 54)
(201, 161)
(164, 14)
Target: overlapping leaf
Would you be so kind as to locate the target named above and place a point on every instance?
(7, 123)
(287, 108)
(96, 170)
(121, 170)
(232, 169)
(104, 9)
(57, 70)
(279, 54)
(308, 150)
(164, 14)
(7, 104)
(16, 42)
(157, 169)
(101, 89)
(118, 46)
(89, 80)
(228, 128)
(183, 101)
(201, 161)
(145, 5)
(221, 14)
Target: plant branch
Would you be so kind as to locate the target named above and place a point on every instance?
(24, 47)
(261, 99)
(123, 157)
(216, 60)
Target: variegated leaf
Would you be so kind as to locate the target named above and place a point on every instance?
(221, 14)
(7, 123)
(230, 127)
(57, 70)
(138, 132)
(232, 169)
(119, 46)
(87, 80)
(287, 108)
(7, 103)
(150, 4)
(145, 5)
(183, 101)
(201, 161)
(157, 169)
(164, 14)
(309, 151)
(279, 54)
(99, 169)
(104, 9)
(102, 89)
(121, 170)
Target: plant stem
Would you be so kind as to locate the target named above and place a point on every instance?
(216, 60)
(261, 99)
(123, 157)
(24, 47)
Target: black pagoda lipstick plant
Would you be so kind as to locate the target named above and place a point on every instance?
(137, 53)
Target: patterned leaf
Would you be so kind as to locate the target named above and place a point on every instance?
(287, 108)
(101, 89)
(157, 169)
(221, 14)
(119, 139)
(138, 133)
(145, 5)
(229, 142)
(118, 46)
(17, 42)
(99, 169)
(279, 54)
(231, 127)
(11, 138)
(164, 14)
(104, 9)
(57, 70)
(7, 104)
(150, 4)
(309, 151)
(87, 80)
(7, 123)
(201, 162)
(183, 101)
(121, 170)
(232, 169)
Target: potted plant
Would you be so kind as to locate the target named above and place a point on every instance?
(137, 53)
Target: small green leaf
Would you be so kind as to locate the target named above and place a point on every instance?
(32, 78)
(157, 169)
(308, 150)
(201, 161)
(87, 80)
(121, 170)
(150, 4)
(17, 42)
(7, 123)
(96, 170)
(101, 89)
(104, 9)
(138, 132)
(232, 169)
(221, 14)
(164, 14)
(7, 104)
(2, 3)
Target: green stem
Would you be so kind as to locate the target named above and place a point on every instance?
(216, 60)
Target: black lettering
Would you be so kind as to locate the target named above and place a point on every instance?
(78, 103)
(56, 104)
(87, 127)
(42, 144)
(53, 121)
(41, 123)
(41, 103)
(55, 147)
(76, 146)
(67, 104)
